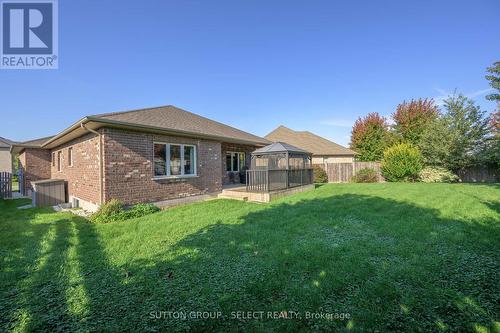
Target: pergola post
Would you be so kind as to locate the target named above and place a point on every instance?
(287, 167)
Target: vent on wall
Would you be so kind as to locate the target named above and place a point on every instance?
(75, 203)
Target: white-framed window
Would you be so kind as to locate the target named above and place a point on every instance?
(70, 156)
(235, 161)
(173, 159)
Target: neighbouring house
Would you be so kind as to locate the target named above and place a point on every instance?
(5, 155)
(323, 150)
(34, 162)
(145, 155)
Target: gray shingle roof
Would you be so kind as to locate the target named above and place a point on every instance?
(5, 143)
(308, 141)
(172, 118)
(279, 147)
(36, 142)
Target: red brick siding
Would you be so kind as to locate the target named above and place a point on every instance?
(234, 148)
(35, 164)
(128, 171)
(83, 176)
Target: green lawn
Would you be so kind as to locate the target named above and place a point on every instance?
(400, 257)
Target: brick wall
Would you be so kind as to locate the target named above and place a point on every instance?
(128, 167)
(234, 148)
(83, 175)
(35, 164)
(128, 171)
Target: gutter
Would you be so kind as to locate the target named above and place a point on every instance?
(101, 172)
(79, 123)
(140, 127)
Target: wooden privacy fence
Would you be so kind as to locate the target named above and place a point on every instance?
(371, 165)
(479, 174)
(343, 172)
(5, 185)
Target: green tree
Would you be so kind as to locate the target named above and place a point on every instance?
(435, 144)
(369, 137)
(411, 119)
(491, 152)
(494, 79)
(468, 130)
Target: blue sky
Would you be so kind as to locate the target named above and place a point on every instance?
(309, 65)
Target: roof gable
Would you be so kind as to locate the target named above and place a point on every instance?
(308, 141)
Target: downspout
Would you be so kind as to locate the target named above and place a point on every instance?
(101, 181)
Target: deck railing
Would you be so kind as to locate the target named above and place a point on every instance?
(272, 180)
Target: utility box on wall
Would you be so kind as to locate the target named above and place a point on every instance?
(48, 192)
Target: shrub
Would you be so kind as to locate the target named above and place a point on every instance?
(437, 175)
(401, 162)
(365, 175)
(140, 210)
(319, 174)
(108, 211)
(114, 211)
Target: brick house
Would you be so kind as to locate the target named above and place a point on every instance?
(144, 155)
(5, 156)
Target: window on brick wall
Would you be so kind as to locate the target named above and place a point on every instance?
(235, 161)
(70, 156)
(59, 161)
(174, 159)
(53, 159)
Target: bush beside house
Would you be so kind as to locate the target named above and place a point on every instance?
(114, 210)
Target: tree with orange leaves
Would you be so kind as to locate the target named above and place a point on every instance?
(370, 137)
(412, 118)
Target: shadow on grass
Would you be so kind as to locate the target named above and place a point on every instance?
(390, 265)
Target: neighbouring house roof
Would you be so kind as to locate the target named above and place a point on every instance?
(36, 142)
(17, 147)
(279, 147)
(5, 143)
(308, 141)
(164, 119)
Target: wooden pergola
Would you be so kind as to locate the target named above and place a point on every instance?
(279, 166)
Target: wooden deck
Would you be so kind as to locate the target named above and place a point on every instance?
(241, 193)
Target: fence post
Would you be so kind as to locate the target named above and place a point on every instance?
(5, 185)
